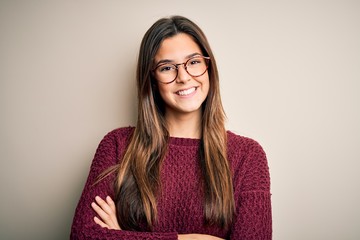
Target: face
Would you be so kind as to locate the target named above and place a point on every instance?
(186, 94)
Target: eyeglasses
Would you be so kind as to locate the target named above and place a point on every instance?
(194, 66)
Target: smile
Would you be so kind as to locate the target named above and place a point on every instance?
(186, 91)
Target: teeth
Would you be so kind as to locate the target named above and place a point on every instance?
(186, 92)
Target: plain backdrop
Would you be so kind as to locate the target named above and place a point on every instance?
(290, 78)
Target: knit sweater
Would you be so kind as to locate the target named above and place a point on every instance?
(180, 201)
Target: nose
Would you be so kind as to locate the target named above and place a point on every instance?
(182, 75)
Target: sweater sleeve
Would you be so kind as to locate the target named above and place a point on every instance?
(253, 218)
(83, 226)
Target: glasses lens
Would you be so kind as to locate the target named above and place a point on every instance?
(166, 73)
(196, 66)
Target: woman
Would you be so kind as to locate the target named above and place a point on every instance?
(178, 174)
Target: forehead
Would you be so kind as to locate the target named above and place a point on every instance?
(176, 48)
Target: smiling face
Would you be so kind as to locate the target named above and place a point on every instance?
(186, 94)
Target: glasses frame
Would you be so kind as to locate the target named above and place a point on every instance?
(207, 59)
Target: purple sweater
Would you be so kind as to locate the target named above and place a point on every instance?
(180, 203)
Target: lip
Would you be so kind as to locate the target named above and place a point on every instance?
(187, 89)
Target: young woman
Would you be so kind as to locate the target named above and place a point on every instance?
(178, 174)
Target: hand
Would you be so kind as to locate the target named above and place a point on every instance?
(107, 212)
(197, 237)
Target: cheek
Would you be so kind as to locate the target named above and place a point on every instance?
(206, 83)
(163, 91)
(208, 88)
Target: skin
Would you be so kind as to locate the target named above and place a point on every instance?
(182, 113)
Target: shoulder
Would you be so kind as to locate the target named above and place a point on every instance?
(244, 152)
(249, 163)
(114, 143)
(238, 144)
(119, 134)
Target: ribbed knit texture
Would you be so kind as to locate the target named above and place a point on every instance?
(180, 202)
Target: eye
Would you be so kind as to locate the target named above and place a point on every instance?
(195, 61)
(166, 68)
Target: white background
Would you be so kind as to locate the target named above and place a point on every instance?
(290, 78)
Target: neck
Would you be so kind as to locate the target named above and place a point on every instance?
(184, 125)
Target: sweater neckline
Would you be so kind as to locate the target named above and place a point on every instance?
(184, 141)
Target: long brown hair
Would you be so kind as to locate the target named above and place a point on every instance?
(137, 181)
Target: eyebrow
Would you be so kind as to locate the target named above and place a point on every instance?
(171, 61)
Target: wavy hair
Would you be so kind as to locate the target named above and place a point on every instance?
(137, 182)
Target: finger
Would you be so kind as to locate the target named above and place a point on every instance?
(103, 215)
(106, 213)
(101, 223)
(109, 219)
(109, 208)
(111, 203)
(104, 205)
(113, 215)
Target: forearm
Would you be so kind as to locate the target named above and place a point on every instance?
(106, 210)
(102, 233)
(197, 237)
